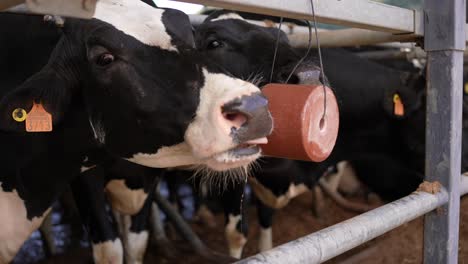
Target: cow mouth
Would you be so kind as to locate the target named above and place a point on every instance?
(238, 156)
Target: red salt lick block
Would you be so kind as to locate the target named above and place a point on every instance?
(299, 131)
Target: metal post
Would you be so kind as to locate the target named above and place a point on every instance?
(444, 43)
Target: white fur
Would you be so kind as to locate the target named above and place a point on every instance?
(236, 240)
(265, 241)
(134, 244)
(228, 16)
(136, 19)
(124, 199)
(166, 157)
(15, 227)
(136, 247)
(84, 168)
(109, 252)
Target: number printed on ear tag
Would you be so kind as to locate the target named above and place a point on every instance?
(38, 120)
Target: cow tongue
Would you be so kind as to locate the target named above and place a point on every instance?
(257, 141)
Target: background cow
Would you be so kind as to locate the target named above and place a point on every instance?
(372, 137)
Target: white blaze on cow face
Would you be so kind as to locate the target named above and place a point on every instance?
(136, 19)
(124, 199)
(14, 224)
(209, 134)
(109, 252)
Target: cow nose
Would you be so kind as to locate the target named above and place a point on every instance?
(248, 117)
(300, 76)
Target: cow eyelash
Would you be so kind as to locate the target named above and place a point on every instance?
(105, 59)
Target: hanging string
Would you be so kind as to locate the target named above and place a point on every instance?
(309, 47)
(322, 72)
(276, 48)
(322, 78)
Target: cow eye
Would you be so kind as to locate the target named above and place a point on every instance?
(105, 59)
(214, 44)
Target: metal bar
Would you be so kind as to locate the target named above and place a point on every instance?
(444, 43)
(357, 13)
(348, 37)
(334, 240)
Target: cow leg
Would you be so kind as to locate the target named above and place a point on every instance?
(343, 202)
(318, 205)
(265, 217)
(236, 228)
(136, 234)
(88, 191)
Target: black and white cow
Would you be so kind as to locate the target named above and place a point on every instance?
(367, 135)
(125, 83)
(128, 189)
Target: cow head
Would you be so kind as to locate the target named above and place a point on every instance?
(247, 50)
(131, 71)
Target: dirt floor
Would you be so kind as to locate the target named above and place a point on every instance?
(402, 245)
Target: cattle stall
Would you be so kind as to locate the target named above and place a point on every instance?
(440, 28)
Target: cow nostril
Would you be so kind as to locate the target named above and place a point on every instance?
(236, 119)
(294, 79)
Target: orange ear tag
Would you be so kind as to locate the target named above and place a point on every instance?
(398, 107)
(38, 120)
(466, 88)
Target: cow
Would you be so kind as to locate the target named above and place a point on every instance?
(365, 92)
(127, 84)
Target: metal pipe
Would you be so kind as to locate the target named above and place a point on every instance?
(334, 240)
(356, 13)
(349, 37)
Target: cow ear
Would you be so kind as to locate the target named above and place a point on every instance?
(179, 28)
(45, 87)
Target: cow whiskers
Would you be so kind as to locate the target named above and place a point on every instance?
(255, 78)
(221, 180)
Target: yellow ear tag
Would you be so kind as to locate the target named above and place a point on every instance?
(466, 88)
(38, 120)
(398, 107)
(19, 114)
